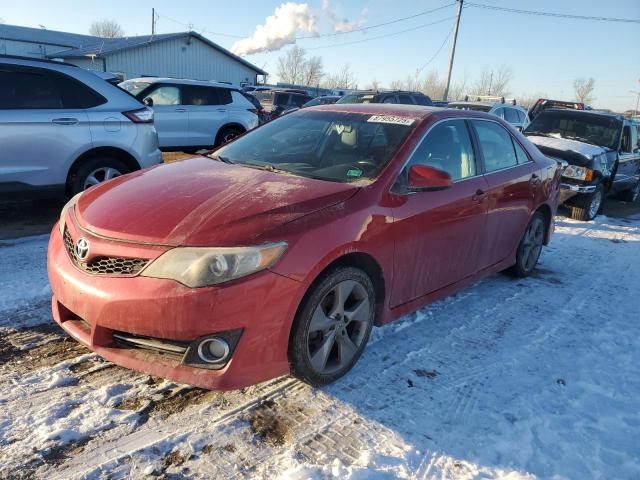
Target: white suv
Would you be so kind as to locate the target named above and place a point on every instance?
(194, 114)
(512, 113)
(64, 129)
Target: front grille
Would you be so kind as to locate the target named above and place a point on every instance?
(104, 265)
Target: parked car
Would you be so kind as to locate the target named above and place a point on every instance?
(393, 96)
(602, 152)
(263, 115)
(512, 113)
(543, 104)
(255, 88)
(440, 103)
(282, 250)
(64, 129)
(192, 114)
(324, 100)
(276, 102)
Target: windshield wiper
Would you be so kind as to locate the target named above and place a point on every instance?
(266, 166)
(541, 134)
(222, 159)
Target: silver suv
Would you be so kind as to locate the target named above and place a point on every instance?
(508, 110)
(66, 129)
(194, 114)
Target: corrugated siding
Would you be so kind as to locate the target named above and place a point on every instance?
(28, 49)
(179, 58)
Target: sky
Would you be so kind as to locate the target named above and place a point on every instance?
(545, 54)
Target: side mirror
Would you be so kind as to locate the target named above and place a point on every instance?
(423, 177)
(148, 101)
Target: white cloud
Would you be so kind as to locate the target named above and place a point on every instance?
(279, 29)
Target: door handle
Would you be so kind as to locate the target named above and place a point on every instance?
(223, 110)
(65, 121)
(181, 109)
(479, 195)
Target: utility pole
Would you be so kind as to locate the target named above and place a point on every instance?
(153, 22)
(453, 51)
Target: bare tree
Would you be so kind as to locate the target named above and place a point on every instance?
(494, 81)
(583, 89)
(343, 79)
(374, 85)
(106, 28)
(313, 71)
(295, 68)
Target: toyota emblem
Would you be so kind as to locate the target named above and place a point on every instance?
(82, 248)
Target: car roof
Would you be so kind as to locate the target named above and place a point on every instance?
(397, 109)
(571, 111)
(181, 81)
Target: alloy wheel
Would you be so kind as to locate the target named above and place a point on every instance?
(532, 244)
(100, 175)
(227, 137)
(594, 206)
(338, 327)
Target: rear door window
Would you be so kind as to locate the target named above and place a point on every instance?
(423, 100)
(499, 112)
(405, 99)
(496, 145)
(299, 100)
(521, 155)
(28, 90)
(282, 99)
(197, 95)
(511, 115)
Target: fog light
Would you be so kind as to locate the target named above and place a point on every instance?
(213, 350)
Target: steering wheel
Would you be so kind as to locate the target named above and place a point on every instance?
(367, 163)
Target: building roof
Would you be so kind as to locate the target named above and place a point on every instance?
(82, 46)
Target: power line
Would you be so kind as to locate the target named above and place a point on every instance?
(435, 54)
(190, 26)
(552, 14)
(369, 27)
(381, 36)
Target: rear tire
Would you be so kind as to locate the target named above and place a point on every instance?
(227, 134)
(94, 171)
(529, 247)
(332, 327)
(592, 206)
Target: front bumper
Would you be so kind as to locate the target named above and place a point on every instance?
(91, 308)
(569, 190)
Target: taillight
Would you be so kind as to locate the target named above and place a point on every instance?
(141, 115)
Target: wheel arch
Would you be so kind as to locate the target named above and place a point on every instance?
(546, 211)
(365, 262)
(122, 155)
(236, 125)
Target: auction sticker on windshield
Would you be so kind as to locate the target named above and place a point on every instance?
(391, 119)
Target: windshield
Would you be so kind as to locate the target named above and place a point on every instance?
(466, 106)
(334, 146)
(598, 130)
(134, 87)
(357, 98)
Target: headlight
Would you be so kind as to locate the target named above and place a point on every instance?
(578, 173)
(202, 266)
(64, 211)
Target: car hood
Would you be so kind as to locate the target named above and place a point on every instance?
(574, 152)
(199, 202)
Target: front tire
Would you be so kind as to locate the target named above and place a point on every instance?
(333, 326)
(591, 207)
(530, 247)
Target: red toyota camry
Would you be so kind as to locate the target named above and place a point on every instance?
(279, 252)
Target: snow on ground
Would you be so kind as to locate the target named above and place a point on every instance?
(509, 379)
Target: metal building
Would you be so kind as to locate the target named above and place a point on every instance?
(178, 55)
